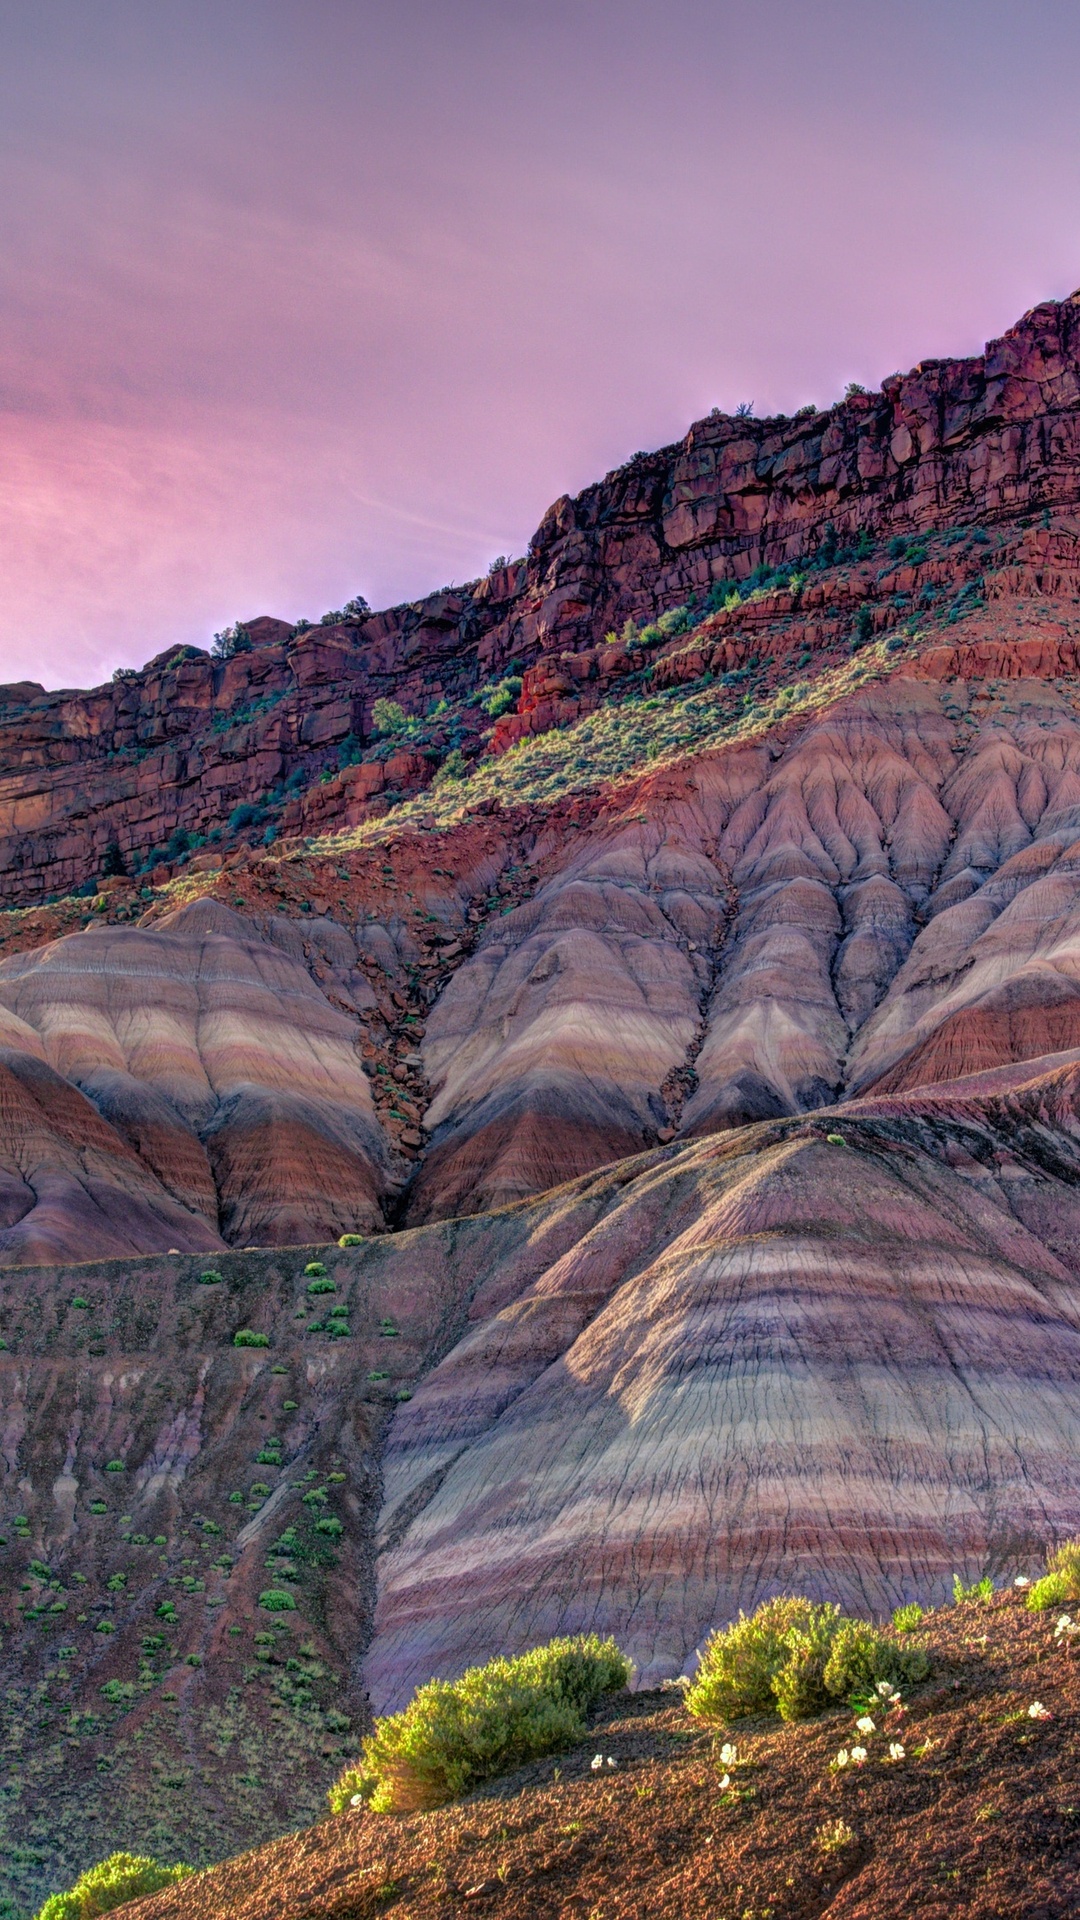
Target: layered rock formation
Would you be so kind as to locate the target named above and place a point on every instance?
(180, 1083)
(704, 1072)
(886, 889)
(838, 1357)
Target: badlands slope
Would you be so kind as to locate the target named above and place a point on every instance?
(697, 1056)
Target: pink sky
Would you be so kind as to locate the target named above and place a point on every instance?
(303, 298)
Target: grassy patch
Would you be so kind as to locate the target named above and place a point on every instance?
(122, 1877)
(1060, 1584)
(454, 1734)
(795, 1658)
(617, 743)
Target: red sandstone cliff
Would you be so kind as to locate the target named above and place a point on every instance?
(186, 741)
(719, 1063)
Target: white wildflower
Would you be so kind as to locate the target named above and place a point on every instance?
(896, 1751)
(1021, 1581)
(725, 1782)
(357, 1800)
(1037, 1711)
(612, 1764)
(886, 1690)
(858, 1756)
(842, 1758)
(865, 1724)
(597, 1762)
(729, 1755)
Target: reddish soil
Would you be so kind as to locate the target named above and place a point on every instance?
(980, 1819)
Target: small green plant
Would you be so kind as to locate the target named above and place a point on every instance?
(315, 1270)
(78, 1301)
(834, 1837)
(454, 767)
(321, 1285)
(115, 1466)
(836, 1140)
(1060, 1584)
(99, 1506)
(498, 699)
(905, 1619)
(245, 1338)
(454, 1734)
(276, 1600)
(351, 1240)
(122, 1877)
(796, 1658)
(981, 1590)
(210, 1278)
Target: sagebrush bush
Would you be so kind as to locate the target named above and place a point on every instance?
(122, 1877)
(1060, 1584)
(905, 1619)
(455, 1733)
(795, 1658)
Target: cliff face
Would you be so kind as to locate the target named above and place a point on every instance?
(708, 1001)
(187, 741)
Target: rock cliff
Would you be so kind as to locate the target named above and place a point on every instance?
(665, 956)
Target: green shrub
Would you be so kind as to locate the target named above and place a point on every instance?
(905, 1619)
(321, 1285)
(115, 1466)
(1050, 1591)
(456, 1733)
(245, 1338)
(315, 1270)
(979, 1590)
(210, 1279)
(1060, 1584)
(454, 767)
(276, 1600)
(795, 1658)
(351, 1240)
(77, 1300)
(123, 1876)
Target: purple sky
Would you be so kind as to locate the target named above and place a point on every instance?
(303, 298)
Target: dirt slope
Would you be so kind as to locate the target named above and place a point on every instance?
(979, 1819)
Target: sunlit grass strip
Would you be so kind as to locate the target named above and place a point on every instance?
(614, 746)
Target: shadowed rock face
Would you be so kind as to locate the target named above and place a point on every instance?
(771, 1362)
